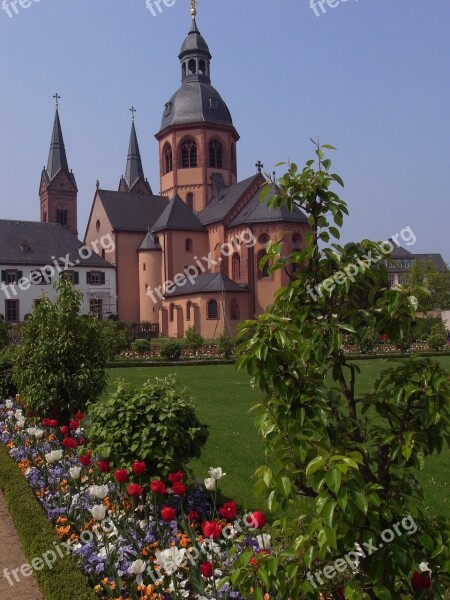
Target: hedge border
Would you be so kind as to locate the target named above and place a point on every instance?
(37, 535)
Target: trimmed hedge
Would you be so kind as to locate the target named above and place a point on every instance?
(36, 534)
(168, 363)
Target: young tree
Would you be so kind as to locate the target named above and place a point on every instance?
(425, 273)
(194, 340)
(341, 466)
(59, 366)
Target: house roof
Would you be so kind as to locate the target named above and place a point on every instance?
(221, 204)
(208, 283)
(131, 212)
(257, 211)
(435, 258)
(150, 242)
(177, 215)
(45, 241)
(400, 252)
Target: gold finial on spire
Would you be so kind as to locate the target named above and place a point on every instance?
(132, 111)
(57, 97)
(193, 9)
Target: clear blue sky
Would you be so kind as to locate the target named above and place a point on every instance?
(371, 77)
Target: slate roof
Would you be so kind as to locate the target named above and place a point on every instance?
(131, 212)
(45, 240)
(134, 170)
(220, 205)
(178, 216)
(194, 42)
(400, 252)
(208, 283)
(150, 242)
(57, 158)
(256, 211)
(435, 258)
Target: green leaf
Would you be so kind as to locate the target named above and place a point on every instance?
(360, 501)
(382, 592)
(333, 480)
(316, 464)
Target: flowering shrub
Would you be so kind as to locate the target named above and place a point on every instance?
(135, 537)
(157, 420)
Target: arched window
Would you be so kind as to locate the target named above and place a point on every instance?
(296, 238)
(188, 245)
(61, 216)
(233, 158)
(44, 218)
(172, 311)
(188, 311)
(103, 254)
(192, 67)
(202, 67)
(234, 310)
(188, 154)
(215, 154)
(263, 271)
(213, 309)
(167, 158)
(236, 267)
(263, 238)
(190, 200)
(97, 225)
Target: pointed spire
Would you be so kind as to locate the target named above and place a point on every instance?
(57, 158)
(134, 172)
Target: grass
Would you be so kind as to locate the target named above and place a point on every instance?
(223, 398)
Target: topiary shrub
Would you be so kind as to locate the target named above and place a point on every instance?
(142, 345)
(226, 345)
(194, 340)
(170, 350)
(438, 337)
(155, 423)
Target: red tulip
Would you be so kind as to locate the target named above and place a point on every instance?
(207, 569)
(53, 423)
(158, 487)
(103, 466)
(85, 459)
(74, 424)
(211, 529)
(64, 430)
(420, 581)
(193, 516)
(121, 475)
(228, 510)
(257, 520)
(168, 514)
(82, 441)
(134, 489)
(80, 415)
(179, 488)
(46, 422)
(138, 468)
(69, 442)
(176, 477)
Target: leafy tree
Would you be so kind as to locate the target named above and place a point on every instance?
(194, 340)
(59, 366)
(425, 273)
(117, 337)
(341, 466)
(155, 423)
(438, 337)
(170, 350)
(226, 345)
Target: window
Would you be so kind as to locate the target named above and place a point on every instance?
(263, 272)
(213, 309)
(296, 238)
(37, 302)
(168, 106)
(202, 67)
(188, 311)
(391, 280)
(167, 159)
(103, 254)
(95, 278)
(25, 246)
(403, 280)
(188, 245)
(214, 103)
(188, 154)
(234, 310)
(11, 276)
(71, 276)
(192, 67)
(144, 266)
(233, 158)
(236, 267)
(172, 311)
(263, 238)
(190, 200)
(44, 217)
(97, 225)
(96, 307)
(215, 155)
(61, 216)
(12, 311)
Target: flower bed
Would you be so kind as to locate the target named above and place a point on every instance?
(133, 538)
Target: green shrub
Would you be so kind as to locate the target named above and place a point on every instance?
(404, 344)
(422, 328)
(7, 386)
(117, 337)
(170, 350)
(142, 345)
(194, 340)
(368, 341)
(4, 334)
(438, 337)
(226, 345)
(155, 423)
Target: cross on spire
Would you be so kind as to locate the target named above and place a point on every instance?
(132, 111)
(193, 9)
(259, 166)
(56, 97)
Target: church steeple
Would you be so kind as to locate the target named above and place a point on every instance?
(195, 56)
(134, 179)
(58, 188)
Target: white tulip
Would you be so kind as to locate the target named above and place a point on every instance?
(137, 567)
(425, 568)
(39, 433)
(170, 559)
(216, 473)
(99, 491)
(210, 483)
(98, 512)
(75, 472)
(9, 404)
(20, 424)
(31, 430)
(18, 413)
(264, 541)
(10, 413)
(49, 458)
(57, 455)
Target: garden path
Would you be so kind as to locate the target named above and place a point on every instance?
(12, 557)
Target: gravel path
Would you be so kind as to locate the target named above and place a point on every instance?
(12, 557)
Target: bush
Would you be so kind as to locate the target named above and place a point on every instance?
(117, 338)
(226, 345)
(194, 340)
(155, 423)
(438, 337)
(170, 350)
(4, 334)
(405, 343)
(368, 341)
(7, 386)
(142, 346)
(422, 328)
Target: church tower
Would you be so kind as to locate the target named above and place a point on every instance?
(58, 189)
(197, 138)
(134, 180)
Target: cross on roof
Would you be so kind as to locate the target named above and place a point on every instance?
(259, 166)
(132, 111)
(56, 97)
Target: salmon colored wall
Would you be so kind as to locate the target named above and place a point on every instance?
(128, 275)
(178, 257)
(99, 214)
(150, 269)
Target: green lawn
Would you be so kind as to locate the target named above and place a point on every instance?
(223, 398)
